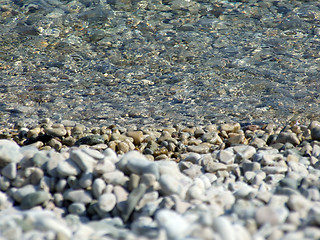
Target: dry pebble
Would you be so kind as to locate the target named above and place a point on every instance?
(202, 189)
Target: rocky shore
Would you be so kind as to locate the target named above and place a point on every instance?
(227, 181)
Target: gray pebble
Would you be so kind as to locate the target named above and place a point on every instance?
(98, 187)
(288, 137)
(90, 140)
(315, 133)
(83, 160)
(133, 199)
(34, 199)
(10, 171)
(77, 208)
(68, 168)
(78, 196)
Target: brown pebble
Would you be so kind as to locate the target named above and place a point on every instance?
(137, 136)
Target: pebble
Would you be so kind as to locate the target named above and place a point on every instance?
(221, 192)
(34, 199)
(106, 202)
(78, 196)
(83, 160)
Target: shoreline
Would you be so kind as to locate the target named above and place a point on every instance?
(217, 181)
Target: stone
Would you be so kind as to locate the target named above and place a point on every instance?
(56, 132)
(98, 187)
(230, 127)
(104, 166)
(106, 202)
(212, 167)
(20, 193)
(85, 180)
(235, 138)
(90, 140)
(77, 196)
(34, 199)
(201, 149)
(225, 156)
(68, 168)
(10, 171)
(244, 152)
(288, 137)
(77, 208)
(137, 136)
(315, 133)
(133, 199)
(115, 178)
(175, 226)
(85, 162)
(192, 157)
(9, 152)
(93, 153)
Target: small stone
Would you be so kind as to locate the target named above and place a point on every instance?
(315, 133)
(123, 147)
(68, 168)
(56, 132)
(90, 140)
(225, 156)
(98, 187)
(274, 169)
(192, 157)
(244, 152)
(107, 202)
(19, 194)
(93, 153)
(235, 138)
(288, 137)
(78, 196)
(115, 178)
(137, 136)
(202, 148)
(10, 171)
(9, 152)
(133, 199)
(230, 127)
(86, 180)
(55, 144)
(174, 224)
(34, 199)
(212, 167)
(83, 160)
(104, 166)
(77, 208)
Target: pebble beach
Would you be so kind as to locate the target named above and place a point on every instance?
(159, 119)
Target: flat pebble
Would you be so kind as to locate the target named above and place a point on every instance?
(34, 199)
(78, 196)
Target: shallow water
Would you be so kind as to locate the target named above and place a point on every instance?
(159, 62)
